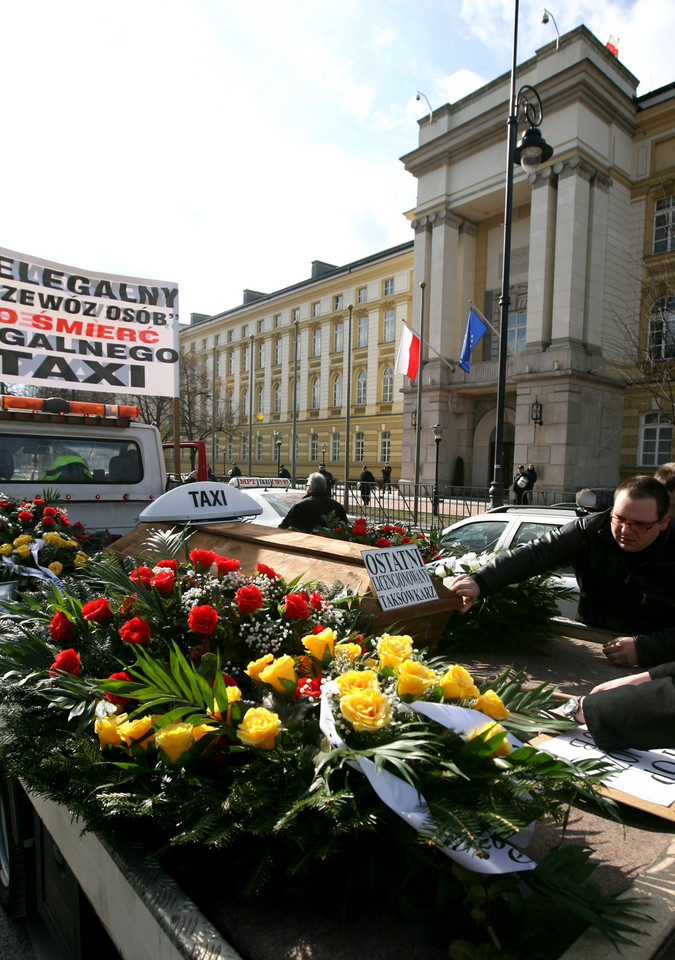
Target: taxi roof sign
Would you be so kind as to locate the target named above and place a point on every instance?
(260, 483)
(203, 502)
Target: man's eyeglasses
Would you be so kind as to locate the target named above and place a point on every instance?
(636, 525)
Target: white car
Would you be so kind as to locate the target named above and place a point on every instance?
(507, 527)
(253, 499)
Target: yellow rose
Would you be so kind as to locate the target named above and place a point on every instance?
(318, 643)
(51, 537)
(71, 543)
(414, 679)
(23, 550)
(491, 705)
(56, 567)
(366, 710)
(106, 729)
(355, 681)
(280, 669)
(233, 694)
(137, 732)
(255, 667)
(6, 549)
(80, 558)
(349, 650)
(22, 540)
(259, 728)
(174, 740)
(504, 748)
(201, 730)
(394, 650)
(458, 684)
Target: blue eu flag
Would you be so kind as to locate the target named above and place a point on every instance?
(475, 328)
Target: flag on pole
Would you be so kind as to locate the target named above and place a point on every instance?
(408, 357)
(613, 45)
(475, 328)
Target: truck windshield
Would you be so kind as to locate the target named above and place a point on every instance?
(53, 460)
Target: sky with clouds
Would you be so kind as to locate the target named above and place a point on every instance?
(225, 144)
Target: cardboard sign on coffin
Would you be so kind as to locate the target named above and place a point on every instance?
(290, 554)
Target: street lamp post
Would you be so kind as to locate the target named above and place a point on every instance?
(323, 453)
(438, 433)
(530, 151)
(277, 444)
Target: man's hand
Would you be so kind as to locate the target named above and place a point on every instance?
(467, 588)
(621, 651)
(633, 679)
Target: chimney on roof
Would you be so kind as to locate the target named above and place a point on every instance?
(250, 296)
(320, 268)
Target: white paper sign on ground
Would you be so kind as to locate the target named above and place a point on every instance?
(645, 774)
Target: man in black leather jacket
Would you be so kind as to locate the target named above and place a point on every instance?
(307, 513)
(624, 562)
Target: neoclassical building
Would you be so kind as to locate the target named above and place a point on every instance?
(591, 281)
(584, 229)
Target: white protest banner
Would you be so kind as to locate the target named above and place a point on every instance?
(65, 327)
(645, 774)
(398, 576)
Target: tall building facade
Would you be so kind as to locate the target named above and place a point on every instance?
(581, 229)
(348, 404)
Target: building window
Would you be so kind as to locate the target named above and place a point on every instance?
(338, 334)
(387, 387)
(362, 295)
(230, 362)
(362, 332)
(337, 390)
(316, 393)
(218, 370)
(261, 326)
(656, 437)
(244, 404)
(664, 225)
(388, 287)
(277, 351)
(517, 332)
(230, 336)
(260, 402)
(261, 356)
(359, 444)
(245, 358)
(316, 342)
(277, 398)
(296, 315)
(313, 446)
(229, 405)
(277, 320)
(335, 447)
(337, 302)
(385, 446)
(228, 448)
(316, 308)
(244, 448)
(361, 388)
(244, 331)
(662, 329)
(216, 339)
(258, 448)
(388, 326)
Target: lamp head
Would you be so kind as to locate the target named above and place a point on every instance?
(532, 150)
(544, 19)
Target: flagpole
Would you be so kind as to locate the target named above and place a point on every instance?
(349, 405)
(418, 427)
(449, 364)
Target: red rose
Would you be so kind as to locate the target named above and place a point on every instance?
(142, 575)
(118, 701)
(202, 560)
(97, 610)
(382, 542)
(307, 687)
(78, 526)
(127, 605)
(406, 540)
(171, 564)
(295, 607)
(317, 629)
(316, 600)
(50, 511)
(67, 661)
(225, 565)
(229, 680)
(163, 581)
(61, 628)
(25, 516)
(249, 598)
(266, 571)
(359, 528)
(62, 518)
(135, 631)
(48, 521)
(202, 619)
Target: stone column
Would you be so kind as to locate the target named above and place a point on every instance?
(571, 251)
(595, 280)
(442, 290)
(542, 260)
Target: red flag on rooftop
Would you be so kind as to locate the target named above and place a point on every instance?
(613, 45)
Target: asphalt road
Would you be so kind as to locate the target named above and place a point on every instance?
(25, 940)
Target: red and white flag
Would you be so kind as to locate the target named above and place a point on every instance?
(408, 357)
(613, 45)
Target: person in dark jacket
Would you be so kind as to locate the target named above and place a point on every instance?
(366, 484)
(328, 477)
(636, 711)
(307, 513)
(283, 472)
(624, 562)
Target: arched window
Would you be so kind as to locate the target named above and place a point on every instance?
(662, 329)
(316, 393)
(277, 398)
(361, 388)
(387, 385)
(244, 404)
(337, 390)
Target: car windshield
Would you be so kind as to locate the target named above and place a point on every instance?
(477, 537)
(281, 501)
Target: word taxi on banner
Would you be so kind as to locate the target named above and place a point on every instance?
(399, 576)
(65, 327)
